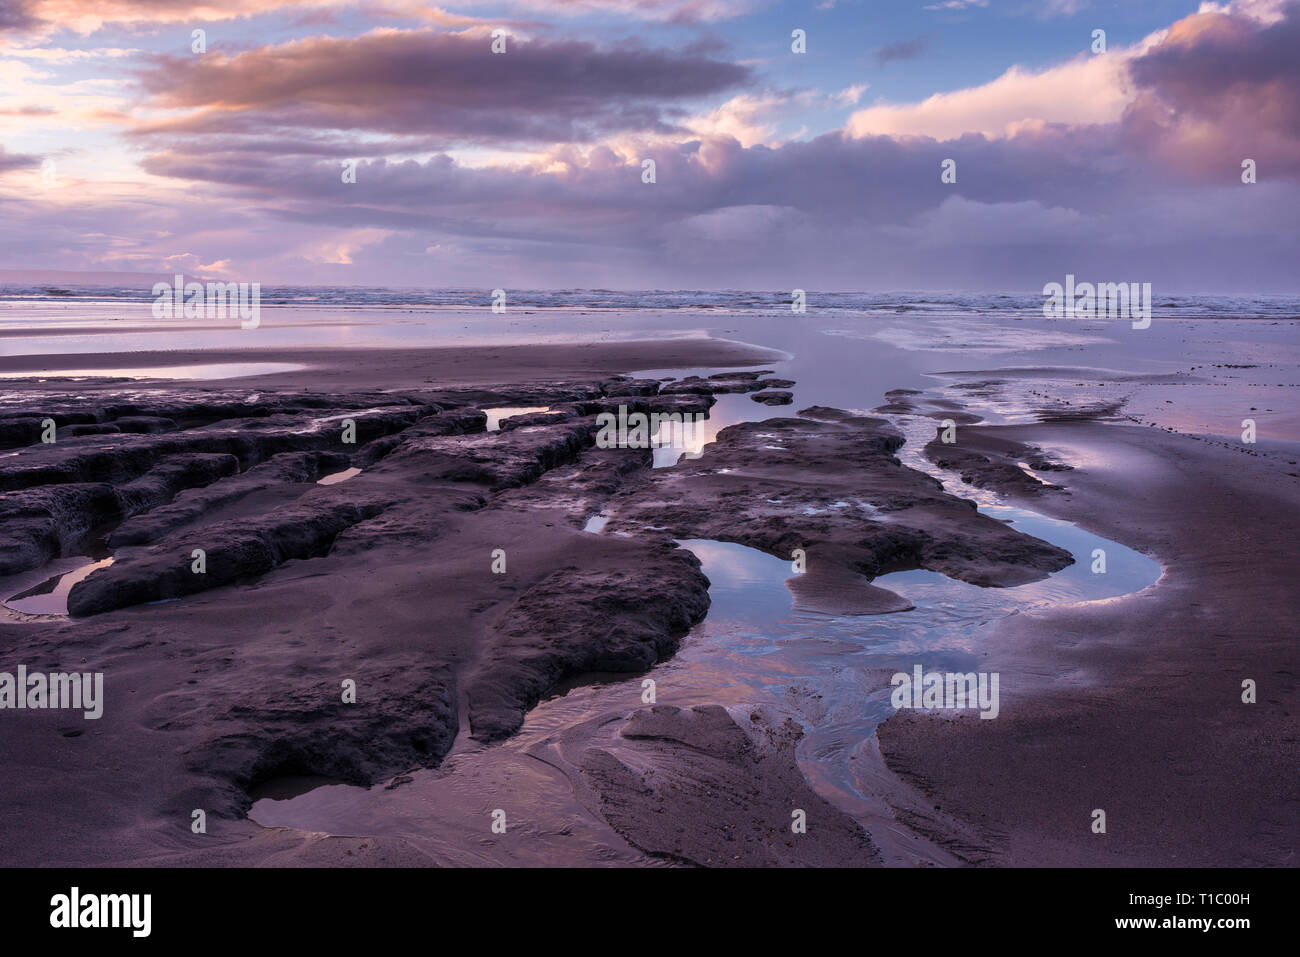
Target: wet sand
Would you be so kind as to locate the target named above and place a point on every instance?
(1131, 704)
(1134, 705)
(342, 369)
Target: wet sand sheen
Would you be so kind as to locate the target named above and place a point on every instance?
(199, 372)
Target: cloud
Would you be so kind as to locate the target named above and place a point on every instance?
(88, 16)
(749, 118)
(60, 55)
(448, 86)
(852, 212)
(13, 161)
(1217, 87)
(195, 264)
(1087, 89)
(902, 50)
(736, 225)
(957, 219)
(1063, 8)
(956, 4)
(832, 212)
(676, 11)
(17, 15)
(32, 100)
(850, 95)
(1221, 87)
(525, 169)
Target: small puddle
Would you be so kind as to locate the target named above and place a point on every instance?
(596, 523)
(335, 477)
(728, 409)
(50, 597)
(292, 800)
(494, 416)
(744, 583)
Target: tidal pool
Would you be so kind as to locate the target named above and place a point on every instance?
(50, 596)
(495, 415)
(335, 477)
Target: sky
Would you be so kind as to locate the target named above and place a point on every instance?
(506, 143)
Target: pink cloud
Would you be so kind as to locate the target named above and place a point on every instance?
(1220, 88)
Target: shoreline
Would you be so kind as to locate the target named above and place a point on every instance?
(390, 368)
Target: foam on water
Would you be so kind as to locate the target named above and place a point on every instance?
(127, 301)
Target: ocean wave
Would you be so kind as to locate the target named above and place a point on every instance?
(740, 302)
